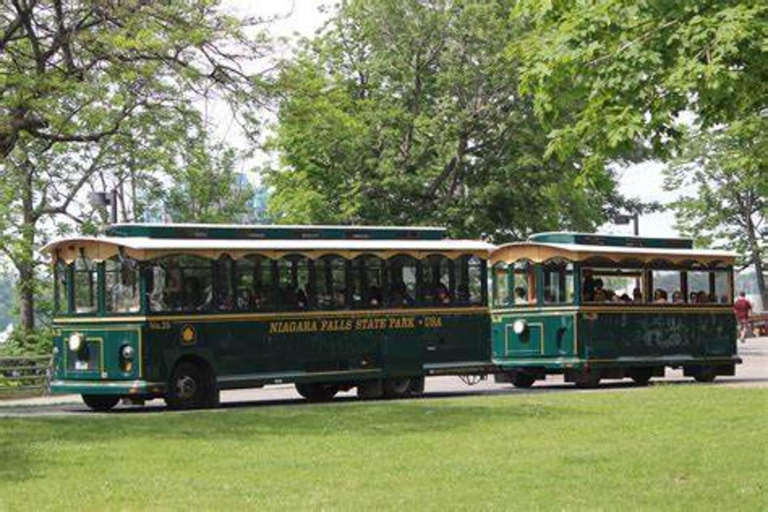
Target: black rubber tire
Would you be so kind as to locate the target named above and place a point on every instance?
(587, 380)
(190, 388)
(317, 391)
(417, 386)
(705, 375)
(397, 387)
(641, 376)
(522, 380)
(101, 403)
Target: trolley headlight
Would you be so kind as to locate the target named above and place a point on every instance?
(519, 327)
(126, 352)
(75, 342)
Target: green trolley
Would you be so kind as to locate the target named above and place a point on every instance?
(181, 312)
(596, 307)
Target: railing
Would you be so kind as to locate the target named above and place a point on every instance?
(24, 376)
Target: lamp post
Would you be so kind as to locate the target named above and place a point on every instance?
(104, 199)
(626, 219)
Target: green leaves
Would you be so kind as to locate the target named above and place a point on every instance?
(409, 112)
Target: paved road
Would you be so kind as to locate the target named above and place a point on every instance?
(752, 373)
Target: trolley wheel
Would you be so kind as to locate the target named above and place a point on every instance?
(397, 387)
(641, 376)
(317, 391)
(417, 386)
(100, 403)
(522, 380)
(586, 380)
(706, 374)
(190, 388)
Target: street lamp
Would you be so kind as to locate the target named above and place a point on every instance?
(626, 219)
(103, 199)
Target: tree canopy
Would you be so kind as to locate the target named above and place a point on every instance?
(409, 112)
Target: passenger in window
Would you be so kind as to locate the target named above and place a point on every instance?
(677, 297)
(659, 296)
(301, 299)
(400, 297)
(339, 298)
(549, 297)
(442, 297)
(625, 298)
(374, 297)
(637, 295)
(693, 298)
(462, 293)
(589, 286)
(244, 300)
(521, 296)
(598, 292)
(702, 297)
(711, 298)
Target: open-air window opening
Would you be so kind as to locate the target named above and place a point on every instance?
(367, 282)
(524, 282)
(603, 281)
(436, 278)
(181, 283)
(558, 286)
(121, 277)
(61, 284)
(330, 282)
(294, 279)
(253, 283)
(86, 278)
(501, 285)
(224, 289)
(403, 283)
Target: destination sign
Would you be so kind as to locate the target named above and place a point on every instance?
(353, 324)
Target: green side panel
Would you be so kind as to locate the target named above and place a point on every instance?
(100, 357)
(548, 338)
(669, 335)
(298, 347)
(556, 340)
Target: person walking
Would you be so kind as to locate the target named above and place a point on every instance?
(742, 308)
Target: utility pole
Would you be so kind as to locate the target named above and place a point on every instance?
(626, 219)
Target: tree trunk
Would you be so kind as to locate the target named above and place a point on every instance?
(25, 256)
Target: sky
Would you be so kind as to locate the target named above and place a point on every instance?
(301, 18)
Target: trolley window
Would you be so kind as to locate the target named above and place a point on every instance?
(403, 285)
(122, 286)
(61, 282)
(523, 282)
(501, 285)
(438, 283)
(330, 282)
(558, 282)
(181, 283)
(253, 283)
(86, 279)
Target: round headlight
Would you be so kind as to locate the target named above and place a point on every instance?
(127, 352)
(75, 342)
(519, 326)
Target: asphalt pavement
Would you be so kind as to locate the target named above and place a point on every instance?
(753, 372)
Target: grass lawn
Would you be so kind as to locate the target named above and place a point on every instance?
(666, 447)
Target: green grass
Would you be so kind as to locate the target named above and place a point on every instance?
(667, 447)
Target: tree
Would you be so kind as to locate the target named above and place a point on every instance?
(613, 75)
(610, 75)
(725, 174)
(408, 112)
(83, 80)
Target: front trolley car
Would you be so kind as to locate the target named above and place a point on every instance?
(183, 311)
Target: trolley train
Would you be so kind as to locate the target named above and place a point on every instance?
(183, 311)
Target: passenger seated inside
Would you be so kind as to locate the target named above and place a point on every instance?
(302, 302)
(462, 293)
(599, 294)
(659, 296)
(677, 297)
(374, 297)
(637, 295)
(588, 286)
(693, 298)
(442, 297)
(625, 298)
(521, 297)
(243, 300)
(549, 298)
(399, 296)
